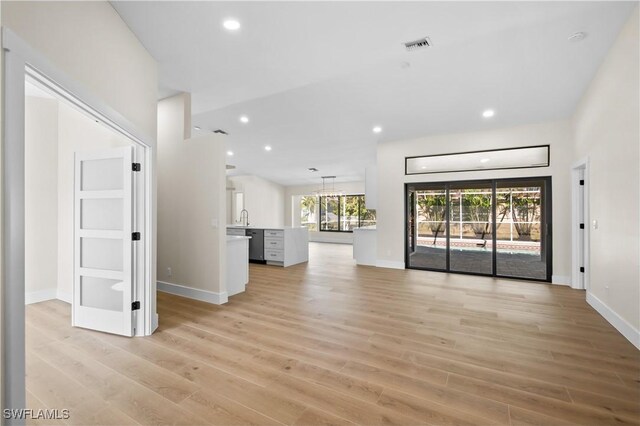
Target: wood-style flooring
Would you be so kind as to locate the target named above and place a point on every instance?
(331, 343)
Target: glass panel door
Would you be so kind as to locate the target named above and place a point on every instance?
(494, 227)
(471, 227)
(428, 233)
(103, 249)
(522, 235)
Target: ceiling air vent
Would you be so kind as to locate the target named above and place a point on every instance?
(418, 44)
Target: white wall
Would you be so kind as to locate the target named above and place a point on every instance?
(41, 199)
(263, 199)
(91, 44)
(191, 207)
(607, 131)
(293, 195)
(391, 180)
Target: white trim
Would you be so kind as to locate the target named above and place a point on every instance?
(193, 293)
(620, 324)
(156, 320)
(391, 264)
(64, 296)
(561, 280)
(39, 296)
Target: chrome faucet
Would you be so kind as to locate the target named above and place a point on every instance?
(244, 217)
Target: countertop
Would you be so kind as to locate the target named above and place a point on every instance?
(266, 227)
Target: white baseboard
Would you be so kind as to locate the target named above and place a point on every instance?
(39, 296)
(154, 322)
(64, 296)
(391, 264)
(620, 324)
(561, 280)
(193, 293)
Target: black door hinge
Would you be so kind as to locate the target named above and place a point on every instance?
(582, 269)
(581, 181)
(135, 306)
(582, 226)
(135, 236)
(136, 167)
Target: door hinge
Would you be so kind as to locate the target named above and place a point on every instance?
(582, 226)
(135, 236)
(136, 167)
(581, 181)
(135, 306)
(582, 269)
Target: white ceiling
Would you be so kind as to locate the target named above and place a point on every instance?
(315, 77)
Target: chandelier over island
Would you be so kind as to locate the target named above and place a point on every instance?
(326, 191)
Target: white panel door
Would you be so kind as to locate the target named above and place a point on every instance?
(103, 286)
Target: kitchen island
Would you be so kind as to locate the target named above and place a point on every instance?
(282, 246)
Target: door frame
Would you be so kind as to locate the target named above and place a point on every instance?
(19, 62)
(580, 167)
(547, 213)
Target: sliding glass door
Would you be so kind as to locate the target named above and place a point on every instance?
(491, 227)
(523, 229)
(471, 227)
(428, 230)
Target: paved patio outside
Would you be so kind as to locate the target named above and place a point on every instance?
(521, 265)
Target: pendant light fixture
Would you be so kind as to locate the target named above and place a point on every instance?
(326, 191)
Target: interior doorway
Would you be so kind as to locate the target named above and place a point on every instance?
(499, 227)
(22, 63)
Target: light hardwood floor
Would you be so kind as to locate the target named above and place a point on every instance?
(331, 343)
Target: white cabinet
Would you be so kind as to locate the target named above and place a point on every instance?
(274, 255)
(237, 263)
(365, 246)
(282, 246)
(274, 233)
(271, 243)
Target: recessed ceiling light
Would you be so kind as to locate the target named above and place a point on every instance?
(230, 153)
(231, 24)
(485, 160)
(488, 113)
(267, 148)
(579, 36)
(377, 129)
(196, 127)
(244, 119)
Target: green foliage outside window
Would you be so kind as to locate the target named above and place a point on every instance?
(340, 213)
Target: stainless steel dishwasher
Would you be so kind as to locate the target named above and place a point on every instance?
(256, 245)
